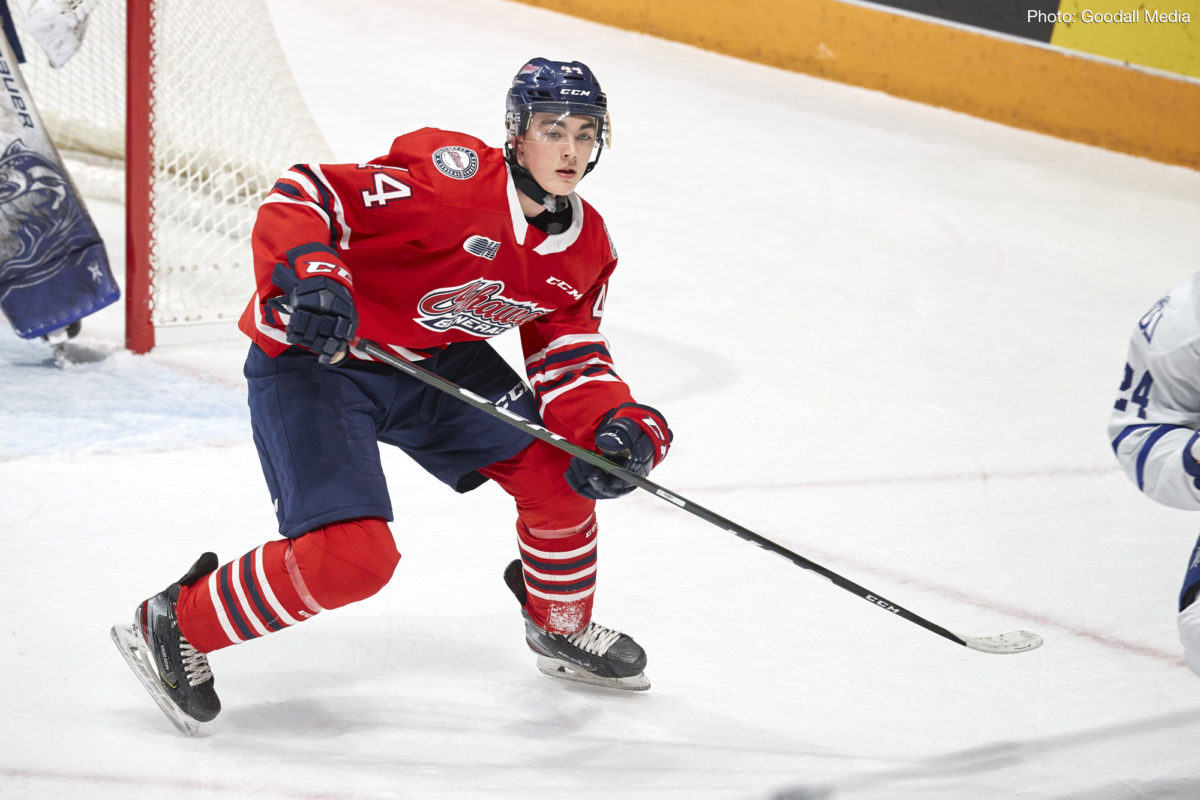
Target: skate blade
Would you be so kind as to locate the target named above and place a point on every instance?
(566, 671)
(133, 650)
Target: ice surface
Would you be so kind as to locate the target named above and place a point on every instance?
(887, 337)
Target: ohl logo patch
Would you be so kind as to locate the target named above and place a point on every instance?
(482, 246)
(457, 162)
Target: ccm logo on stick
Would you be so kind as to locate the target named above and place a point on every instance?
(884, 604)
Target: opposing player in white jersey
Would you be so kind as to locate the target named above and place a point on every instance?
(1155, 425)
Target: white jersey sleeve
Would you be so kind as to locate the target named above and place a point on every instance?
(1155, 419)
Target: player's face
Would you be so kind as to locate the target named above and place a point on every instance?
(556, 148)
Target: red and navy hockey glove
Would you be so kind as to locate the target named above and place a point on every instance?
(633, 436)
(322, 316)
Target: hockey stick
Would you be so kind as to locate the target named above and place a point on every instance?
(1012, 642)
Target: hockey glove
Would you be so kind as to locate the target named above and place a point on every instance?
(322, 316)
(632, 436)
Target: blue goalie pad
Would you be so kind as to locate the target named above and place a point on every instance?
(53, 267)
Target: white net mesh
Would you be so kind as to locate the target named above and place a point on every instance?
(228, 120)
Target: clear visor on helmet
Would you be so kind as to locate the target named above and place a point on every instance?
(587, 127)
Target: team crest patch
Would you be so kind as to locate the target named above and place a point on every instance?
(479, 308)
(459, 163)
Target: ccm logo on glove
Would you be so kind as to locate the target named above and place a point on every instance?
(320, 311)
(321, 267)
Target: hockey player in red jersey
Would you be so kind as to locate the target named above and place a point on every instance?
(430, 250)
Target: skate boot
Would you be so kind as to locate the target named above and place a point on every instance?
(58, 341)
(595, 655)
(175, 674)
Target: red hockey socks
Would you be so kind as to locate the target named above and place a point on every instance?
(558, 552)
(560, 575)
(286, 581)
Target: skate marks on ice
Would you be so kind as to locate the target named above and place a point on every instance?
(115, 402)
(941, 776)
(911, 585)
(80, 351)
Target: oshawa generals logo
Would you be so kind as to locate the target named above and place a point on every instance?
(479, 308)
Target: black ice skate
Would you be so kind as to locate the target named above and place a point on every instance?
(596, 655)
(175, 674)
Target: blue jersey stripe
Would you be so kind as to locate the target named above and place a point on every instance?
(576, 353)
(1125, 432)
(1144, 453)
(563, 380)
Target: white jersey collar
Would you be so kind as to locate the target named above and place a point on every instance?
(555, 243)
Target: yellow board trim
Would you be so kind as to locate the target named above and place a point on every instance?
(1131, 30)
(1034, 87)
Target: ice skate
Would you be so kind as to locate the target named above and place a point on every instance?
(175, 674)
(58, 341)
(595, 655)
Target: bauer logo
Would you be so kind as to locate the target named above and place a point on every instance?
(481, 246)
(459, 163)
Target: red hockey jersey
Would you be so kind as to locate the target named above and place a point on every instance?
(432, 240)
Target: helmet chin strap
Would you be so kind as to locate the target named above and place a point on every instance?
(525, 183)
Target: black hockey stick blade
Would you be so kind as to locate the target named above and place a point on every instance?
(1005, 643)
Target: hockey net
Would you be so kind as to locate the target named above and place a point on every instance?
(217, 118)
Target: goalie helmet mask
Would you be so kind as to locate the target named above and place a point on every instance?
(557, 87)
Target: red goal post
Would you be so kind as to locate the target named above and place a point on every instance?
(185, 111)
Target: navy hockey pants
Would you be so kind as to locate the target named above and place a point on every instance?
(317, 428)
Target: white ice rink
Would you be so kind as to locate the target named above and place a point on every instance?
(886, 336)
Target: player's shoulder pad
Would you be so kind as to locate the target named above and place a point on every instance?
(445, 158)
(1172, 320)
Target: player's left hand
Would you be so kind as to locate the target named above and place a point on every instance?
(633, 436)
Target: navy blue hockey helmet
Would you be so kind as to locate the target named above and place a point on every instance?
(556, 87)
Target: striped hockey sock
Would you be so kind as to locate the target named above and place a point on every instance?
(286, 581)
(560, 575)
(254, 595)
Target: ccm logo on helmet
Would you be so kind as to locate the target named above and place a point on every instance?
(576, 92)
